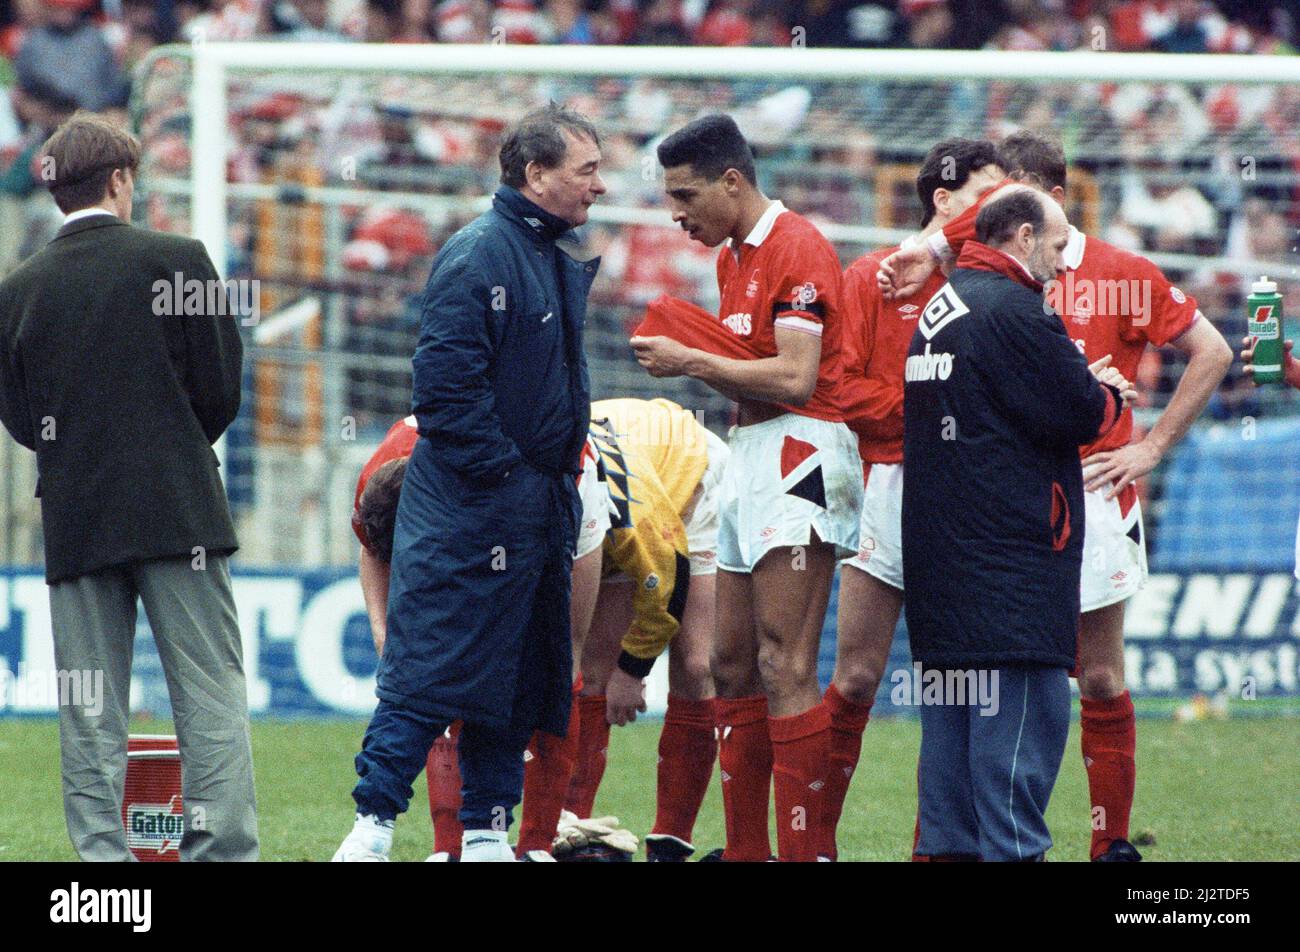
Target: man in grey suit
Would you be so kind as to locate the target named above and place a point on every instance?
(122, 399)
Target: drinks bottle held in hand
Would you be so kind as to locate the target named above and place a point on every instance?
(1264, 323)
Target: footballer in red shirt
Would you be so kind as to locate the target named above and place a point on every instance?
(875, 338)
(791, 494)
(1113, 304)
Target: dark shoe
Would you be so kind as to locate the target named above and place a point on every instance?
(1119, 851)
(662, 848)
(715, 856)
(595, 852)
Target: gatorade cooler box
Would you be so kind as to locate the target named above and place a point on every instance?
(151, 809)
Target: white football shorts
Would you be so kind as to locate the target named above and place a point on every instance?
(595, 506)
(880, 531)
(787, 477)
(1114, 550)
(701, 515)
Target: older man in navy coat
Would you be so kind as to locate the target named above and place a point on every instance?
(478, 608)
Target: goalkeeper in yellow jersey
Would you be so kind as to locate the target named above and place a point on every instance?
(661, 468)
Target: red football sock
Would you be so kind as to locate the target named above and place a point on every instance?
(442, 773)
(745, 761)
(1109, 744)
(589, 761)
(546, 783)
(800, 745)
(848, 721)
(687, 748)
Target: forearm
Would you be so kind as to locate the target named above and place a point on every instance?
(770, 379)
(375, 575)
(1202, 376)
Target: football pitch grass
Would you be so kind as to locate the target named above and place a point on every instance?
(1207, 790)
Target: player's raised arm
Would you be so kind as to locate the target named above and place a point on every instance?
(903, 272)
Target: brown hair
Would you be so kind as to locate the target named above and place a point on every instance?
(80, 157)
(378, 506)
(1033, 158)
(538, 137)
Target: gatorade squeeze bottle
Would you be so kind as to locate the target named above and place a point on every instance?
(1264, 323)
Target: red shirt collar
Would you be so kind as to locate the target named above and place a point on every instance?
(983, 258)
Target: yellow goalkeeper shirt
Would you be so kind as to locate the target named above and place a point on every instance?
(653, 454)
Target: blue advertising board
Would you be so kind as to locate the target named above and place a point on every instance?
(308, 651)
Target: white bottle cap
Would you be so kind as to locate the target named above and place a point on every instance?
(1264, 286)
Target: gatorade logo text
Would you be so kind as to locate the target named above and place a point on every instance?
(155, 826)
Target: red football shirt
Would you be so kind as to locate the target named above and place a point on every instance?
(398, 443)
(1111, 301)
(874, 340)
(1116, 302)
(786, 274)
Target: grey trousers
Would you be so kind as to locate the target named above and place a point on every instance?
(192, 614)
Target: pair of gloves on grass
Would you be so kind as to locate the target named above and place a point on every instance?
(575, 836)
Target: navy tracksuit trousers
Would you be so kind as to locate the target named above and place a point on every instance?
(984, 779)
(397, 744)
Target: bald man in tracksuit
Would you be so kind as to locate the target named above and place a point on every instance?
(997, 401)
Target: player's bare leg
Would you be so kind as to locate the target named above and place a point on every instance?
(614, 613)
(690, 653)
(791, 587)
(688, 745)
(1108, 730)
(549, 764)
(582, 603)
(868, 614)
(741, 716)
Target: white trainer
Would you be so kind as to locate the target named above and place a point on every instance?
(370, 841)
(485, 846)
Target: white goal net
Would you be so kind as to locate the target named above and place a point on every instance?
(332, 173)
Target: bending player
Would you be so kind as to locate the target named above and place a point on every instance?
(876, 336)
(1113, 303)
(547, 771)
(662, 469)
(792, 489)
